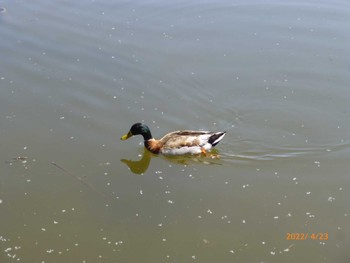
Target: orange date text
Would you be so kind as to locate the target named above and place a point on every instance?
(305, 236)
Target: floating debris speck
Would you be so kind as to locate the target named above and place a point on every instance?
(331, 199)
(310, 215)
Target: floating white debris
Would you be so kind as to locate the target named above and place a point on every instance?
(209, 211)
(331, 199)
(275, 217)
(310, 215)
(232, 251)
(295, 180)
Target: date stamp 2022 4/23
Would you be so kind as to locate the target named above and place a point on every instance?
(307, 236)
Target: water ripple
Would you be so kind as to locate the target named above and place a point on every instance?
(267, 153)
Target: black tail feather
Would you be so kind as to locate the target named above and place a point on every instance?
(216, 138)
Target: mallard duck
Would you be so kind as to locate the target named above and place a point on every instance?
(177, 142)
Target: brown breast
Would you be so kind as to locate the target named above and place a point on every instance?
(153, 145)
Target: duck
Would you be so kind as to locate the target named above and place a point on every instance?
(177, 142)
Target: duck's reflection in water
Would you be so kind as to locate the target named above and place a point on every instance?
(141, 166)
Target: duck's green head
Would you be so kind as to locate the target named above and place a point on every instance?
(138, 129)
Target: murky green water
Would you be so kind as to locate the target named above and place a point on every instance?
(74, 76)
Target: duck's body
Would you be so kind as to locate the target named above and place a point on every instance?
(177, 142)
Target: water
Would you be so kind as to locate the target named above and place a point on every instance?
(75, 76)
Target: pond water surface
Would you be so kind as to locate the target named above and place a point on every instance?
(75, 75)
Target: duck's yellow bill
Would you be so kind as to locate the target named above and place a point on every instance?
(126, 136)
